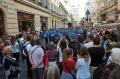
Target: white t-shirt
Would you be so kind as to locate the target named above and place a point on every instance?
(37, 54)
(89, 44)
(82, 67)
(28, 46)
(60, 54)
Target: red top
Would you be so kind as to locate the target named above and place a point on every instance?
(70, 64)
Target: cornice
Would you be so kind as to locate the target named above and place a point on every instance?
(33, 5)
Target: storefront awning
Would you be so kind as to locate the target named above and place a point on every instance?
(109, 25)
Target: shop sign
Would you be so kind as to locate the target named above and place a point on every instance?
(24, 17)
(110, 20)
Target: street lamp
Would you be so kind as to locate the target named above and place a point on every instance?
(87, 14)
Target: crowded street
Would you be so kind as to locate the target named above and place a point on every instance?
(59, 39)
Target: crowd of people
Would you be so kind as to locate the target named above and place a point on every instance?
(72, 53)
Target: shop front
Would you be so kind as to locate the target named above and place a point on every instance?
(111, 16)
(44, 23)
(25, 22)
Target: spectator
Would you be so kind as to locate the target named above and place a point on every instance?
(52, 54)
(75, 45)
(83, 63)
(97, 54)
(36, 59)
(115, 57)
(62, 44)
(8, 61)
(21, 42)
(2, 71)
(68, 64)
(26, 53)
(90, 41)
(111, 70)
(115, 73)
(15, 48)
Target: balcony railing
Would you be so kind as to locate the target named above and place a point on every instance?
(42, 3)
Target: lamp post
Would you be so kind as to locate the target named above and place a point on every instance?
(87, 14)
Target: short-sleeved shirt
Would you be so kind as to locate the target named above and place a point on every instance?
(97, 55)
(37, 54)
(69, 64)
(89, 44)
(28, 46)
(82, 67)
(14, 48)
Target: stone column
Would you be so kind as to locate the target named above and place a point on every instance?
(37, 23)
(49, 23)
(11, 18)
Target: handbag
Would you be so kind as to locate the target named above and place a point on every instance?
(73, 75)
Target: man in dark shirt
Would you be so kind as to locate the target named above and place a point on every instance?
(97, 53)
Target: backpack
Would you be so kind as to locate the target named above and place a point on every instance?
(14, 67)
(25, 52)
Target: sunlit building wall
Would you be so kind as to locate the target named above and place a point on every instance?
(106, 11)
(31, 15)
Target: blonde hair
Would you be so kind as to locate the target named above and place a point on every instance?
(7, 50)
(53, 72)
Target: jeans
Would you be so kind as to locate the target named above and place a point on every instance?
(38, 73)
(66, 76)
(2, 73)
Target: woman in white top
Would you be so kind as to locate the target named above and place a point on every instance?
(62, 44)
(82, 64)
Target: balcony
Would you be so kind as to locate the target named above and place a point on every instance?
(41, 3)
(33, 1)
(111, 3)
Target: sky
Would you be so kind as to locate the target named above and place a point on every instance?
(82, 5)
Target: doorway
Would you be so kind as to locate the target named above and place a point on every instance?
(2, 25)
(25, 22)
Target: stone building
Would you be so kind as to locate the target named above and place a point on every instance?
(104, 11)
(23, 15)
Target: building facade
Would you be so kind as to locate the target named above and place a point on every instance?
(58, 14)
(104, 11)
(76, 14)
(23, 15)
